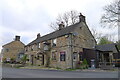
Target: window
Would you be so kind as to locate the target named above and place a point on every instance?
(81, 56)
(32, 47)
(75, 56)
(7, 50)
(62, 56)
(37, 57)
(54, 55)
(46, 47)
(54, 42)
(26, 49)
(38, 45)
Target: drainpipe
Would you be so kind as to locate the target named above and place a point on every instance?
(71, 51)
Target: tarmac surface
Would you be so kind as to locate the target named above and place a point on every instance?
(8, 72)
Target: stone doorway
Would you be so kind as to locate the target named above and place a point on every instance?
(32, 59)
(41, 59)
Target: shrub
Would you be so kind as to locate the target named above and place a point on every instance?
(12, 60)
(24, 59)
(85, 62)
(4, 60)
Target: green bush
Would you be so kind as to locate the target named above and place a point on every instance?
(84, 64)
(12, 60)
(24, 59)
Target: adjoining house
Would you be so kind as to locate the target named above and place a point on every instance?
(61, 48)
(108, 55)
(104, 56)
(11, 50)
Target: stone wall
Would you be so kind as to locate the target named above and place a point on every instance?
(12, 49)
(75, 42)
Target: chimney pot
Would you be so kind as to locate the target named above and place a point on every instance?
(17, 38)
(81, 18)
(38, 35)
(61, 25)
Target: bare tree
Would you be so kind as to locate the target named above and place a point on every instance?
(59, 19)
(74, 16)
(110, 37)
(97, 35)
(111, 17)
(53, 26)
(68, 18)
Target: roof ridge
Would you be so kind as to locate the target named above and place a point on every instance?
(59, 30)
(12, 42)
(55, 34)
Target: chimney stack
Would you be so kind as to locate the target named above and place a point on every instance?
(17, 38)
(38, 35)
(61, 25)
(81, 18)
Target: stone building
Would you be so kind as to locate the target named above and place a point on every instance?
(108, 55)
(61, 48)
(13, 49)
(105, 56)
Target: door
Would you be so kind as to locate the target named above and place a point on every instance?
(106, 57)
(75, 59)
(43, 59)
(32, 56)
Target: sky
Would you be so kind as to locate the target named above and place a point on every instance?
(27, 18)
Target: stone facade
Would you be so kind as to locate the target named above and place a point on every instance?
(61, 51)
(12, 49)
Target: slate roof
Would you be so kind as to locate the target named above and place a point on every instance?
(11, 43)
(107, 47)
(57, 33)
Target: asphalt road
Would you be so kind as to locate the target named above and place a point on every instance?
(30, 73)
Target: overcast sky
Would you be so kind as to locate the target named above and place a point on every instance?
(26, 18)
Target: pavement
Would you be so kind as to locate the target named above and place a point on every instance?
(85, 70)
(8, 72)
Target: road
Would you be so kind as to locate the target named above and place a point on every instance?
(37, 73)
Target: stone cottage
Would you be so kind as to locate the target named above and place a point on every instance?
(10, 51)
(61, 48)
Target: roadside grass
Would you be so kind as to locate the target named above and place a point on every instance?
(70, 69)
(18, 67)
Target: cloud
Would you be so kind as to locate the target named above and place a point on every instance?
(29, 17)
(24, 18)
(21, 17)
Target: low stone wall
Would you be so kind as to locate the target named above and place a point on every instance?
(13, 65)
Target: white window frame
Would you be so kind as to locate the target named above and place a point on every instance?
(75, 56)
(54, 54)
(39, 45)
(32, 47)
(54, 41)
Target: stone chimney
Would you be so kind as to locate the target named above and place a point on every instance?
(81, 18)
(38, 35)
(61, 25)
(17, 38)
